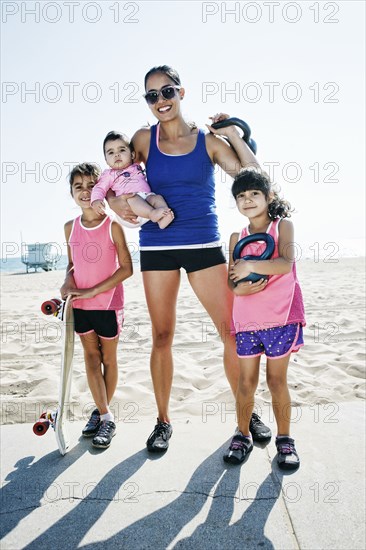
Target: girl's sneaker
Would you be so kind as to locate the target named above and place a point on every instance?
(92, 426)
(106, 432)
(239, 449)
(287, 457)
(260, 432)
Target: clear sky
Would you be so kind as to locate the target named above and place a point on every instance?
(294, 71)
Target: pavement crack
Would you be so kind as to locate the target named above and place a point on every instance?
(208, 495)
(134, 499)
(277, 480)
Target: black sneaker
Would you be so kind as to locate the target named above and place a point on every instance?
(158, 440)
(92, 426)
(287, 457)
(106, 432)
(239, 449)
(260, 432)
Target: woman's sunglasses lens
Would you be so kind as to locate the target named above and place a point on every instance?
(152, 97)
(168, 93)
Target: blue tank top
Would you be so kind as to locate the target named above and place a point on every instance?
(187, 184)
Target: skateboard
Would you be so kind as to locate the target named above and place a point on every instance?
(56, 419)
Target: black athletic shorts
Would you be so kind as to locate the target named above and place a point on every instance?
(191, 259)
(105, 323)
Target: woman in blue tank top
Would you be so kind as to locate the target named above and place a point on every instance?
(180, 161)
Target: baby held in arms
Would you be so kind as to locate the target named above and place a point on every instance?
(123, 177)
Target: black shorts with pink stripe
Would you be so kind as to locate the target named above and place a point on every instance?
(190, 259)
(105, 323)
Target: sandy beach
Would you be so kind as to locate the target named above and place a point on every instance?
(329, 369)
(188, 497)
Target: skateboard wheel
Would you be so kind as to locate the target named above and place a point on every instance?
(50, 307)
(41, 427)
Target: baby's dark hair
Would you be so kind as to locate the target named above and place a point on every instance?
(84, 169)
(247, 180)
(164, 69)
(113, 136)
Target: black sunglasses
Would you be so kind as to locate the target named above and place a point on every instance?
(167, 92)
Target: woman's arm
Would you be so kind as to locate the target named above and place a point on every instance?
(232, 156)
(277, 266)
(141, 144)
(246, 288)
(120, 206)
(123, 272)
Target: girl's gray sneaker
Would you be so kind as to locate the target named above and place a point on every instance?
(92, 426)
(287, 457)
(106, 432)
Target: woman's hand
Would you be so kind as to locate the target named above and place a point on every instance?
(247, 288)
(228, 132)
(231, 154)
(120, 206)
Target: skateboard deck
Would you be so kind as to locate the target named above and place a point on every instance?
(57, 419)
(67, 354)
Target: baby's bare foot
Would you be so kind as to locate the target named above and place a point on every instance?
(162, 216)
(158, 213)
(166, 219)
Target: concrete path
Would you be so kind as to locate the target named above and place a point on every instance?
(188, 498)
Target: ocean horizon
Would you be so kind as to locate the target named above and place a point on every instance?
(15, 265)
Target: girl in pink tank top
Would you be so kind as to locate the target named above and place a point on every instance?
(99, 261)
(268, 315)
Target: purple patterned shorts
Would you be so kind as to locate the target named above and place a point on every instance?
(275, 342)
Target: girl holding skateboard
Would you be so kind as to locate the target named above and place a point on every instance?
(269, 322)
(99, 261)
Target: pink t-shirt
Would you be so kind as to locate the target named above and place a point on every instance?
(95, 259)
(280, 303)
(128, 180)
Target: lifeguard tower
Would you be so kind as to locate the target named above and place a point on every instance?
(39, 255)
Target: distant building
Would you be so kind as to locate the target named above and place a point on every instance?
(39, 255)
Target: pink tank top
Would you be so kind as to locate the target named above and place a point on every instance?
(128, 180)
(280, 303)
(95, 259)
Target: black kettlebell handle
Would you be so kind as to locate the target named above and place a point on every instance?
(234, 121)
(266, 255)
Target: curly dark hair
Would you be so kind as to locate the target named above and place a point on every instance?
(246, 180)
(84, 169)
